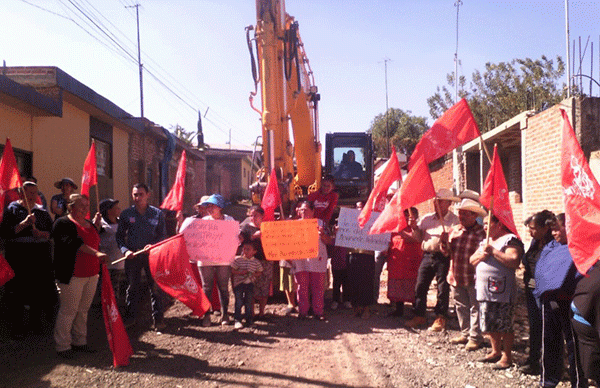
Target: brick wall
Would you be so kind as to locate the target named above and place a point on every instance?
(441, 174)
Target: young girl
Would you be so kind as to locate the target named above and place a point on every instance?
(245, 269)
(310, 273)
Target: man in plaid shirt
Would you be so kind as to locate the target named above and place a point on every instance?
(463, 241)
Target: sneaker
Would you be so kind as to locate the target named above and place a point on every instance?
(416, 322)
(459, 340)
(439, 324)
(334, 305)
(320, 318)
(472, 345)
(225, 319)
(206, 320)
(347, 305)
(238, 325)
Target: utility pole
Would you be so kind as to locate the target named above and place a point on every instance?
(457, 154)
(568, 38)
(137, 14)
(387, 126)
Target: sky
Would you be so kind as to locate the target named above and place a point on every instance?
(198, 49)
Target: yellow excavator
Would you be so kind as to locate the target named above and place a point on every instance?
(283, 76)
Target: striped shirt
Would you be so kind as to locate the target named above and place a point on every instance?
(463, 243)
(252, 267)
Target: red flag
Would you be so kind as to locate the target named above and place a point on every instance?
(9, 174)
(271, 198)
(582, 202)
(416, 188)
(456, 127)
(89, 177)
(494, 195)
(390, 174)
(170, 267)
(6, 272)
(115, 330)
(174, 199)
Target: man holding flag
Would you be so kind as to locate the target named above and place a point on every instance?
(433, 231)
(140, 225)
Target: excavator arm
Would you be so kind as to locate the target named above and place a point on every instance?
(288, 94)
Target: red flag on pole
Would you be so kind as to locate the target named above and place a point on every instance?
(6, 272)
(494, 195)
(390, 174)
(9, 174)
(582, 201)
(89, 177)
(118, 341)
(416, 188)
(171, 270)
(174, 199)
(456, 127)
(271, 199)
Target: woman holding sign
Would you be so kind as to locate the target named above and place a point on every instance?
(310, 273)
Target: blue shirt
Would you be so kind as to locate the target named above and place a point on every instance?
(137, 230)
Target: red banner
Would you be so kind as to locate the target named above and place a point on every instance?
(582, 201)
(6, 272)
(456, 127)
(171, 270)
(494, 195)
(174, 199)
(271, 199)
(416, 188)
(118, 341)
(9, 174)
(390, 174)
(89, 177)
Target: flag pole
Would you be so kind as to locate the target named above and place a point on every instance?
(97, 195)
(487, 152)
(487, 237)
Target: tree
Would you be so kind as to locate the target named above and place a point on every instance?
(182, 134)
(504, 90)
(404, 130)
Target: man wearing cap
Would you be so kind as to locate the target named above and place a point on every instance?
(463, 241)
(140, 225)
(432, 231)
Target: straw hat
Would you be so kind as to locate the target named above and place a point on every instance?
(447, 195)
(472, 206)
(469, 194)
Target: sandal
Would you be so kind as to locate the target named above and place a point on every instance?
(490, 359)
(498, 366)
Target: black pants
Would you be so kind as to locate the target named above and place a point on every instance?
(434, 265)
(340, 280)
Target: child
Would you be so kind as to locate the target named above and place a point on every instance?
(245, 269)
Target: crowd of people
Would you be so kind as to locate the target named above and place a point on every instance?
(471, 254)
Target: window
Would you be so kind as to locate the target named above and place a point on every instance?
(103, 158)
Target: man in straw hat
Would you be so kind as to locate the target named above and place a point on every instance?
(432, 231)
(463, 241)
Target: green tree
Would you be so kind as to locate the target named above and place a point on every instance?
(182, 134)
(403, 128)
(504, 90)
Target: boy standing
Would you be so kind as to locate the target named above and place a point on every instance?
(245, 269)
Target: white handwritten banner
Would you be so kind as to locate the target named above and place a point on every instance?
(212, 242)
(350, 235)
(290, 240)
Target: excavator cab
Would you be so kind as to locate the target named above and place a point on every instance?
(349, 158)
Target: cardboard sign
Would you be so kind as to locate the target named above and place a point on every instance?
(213, 242)
(350, 235)
(290, 240)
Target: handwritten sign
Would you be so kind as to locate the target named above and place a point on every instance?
(212, 242)
(290, 240)
(350, 235)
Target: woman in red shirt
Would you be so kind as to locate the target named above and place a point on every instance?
(77, 265)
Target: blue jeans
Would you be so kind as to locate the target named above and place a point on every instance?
(222, 273)
(244, 296)
(135, 289)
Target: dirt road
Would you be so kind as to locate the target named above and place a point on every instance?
(343, 351)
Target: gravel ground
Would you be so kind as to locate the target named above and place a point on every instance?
(282, 351)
